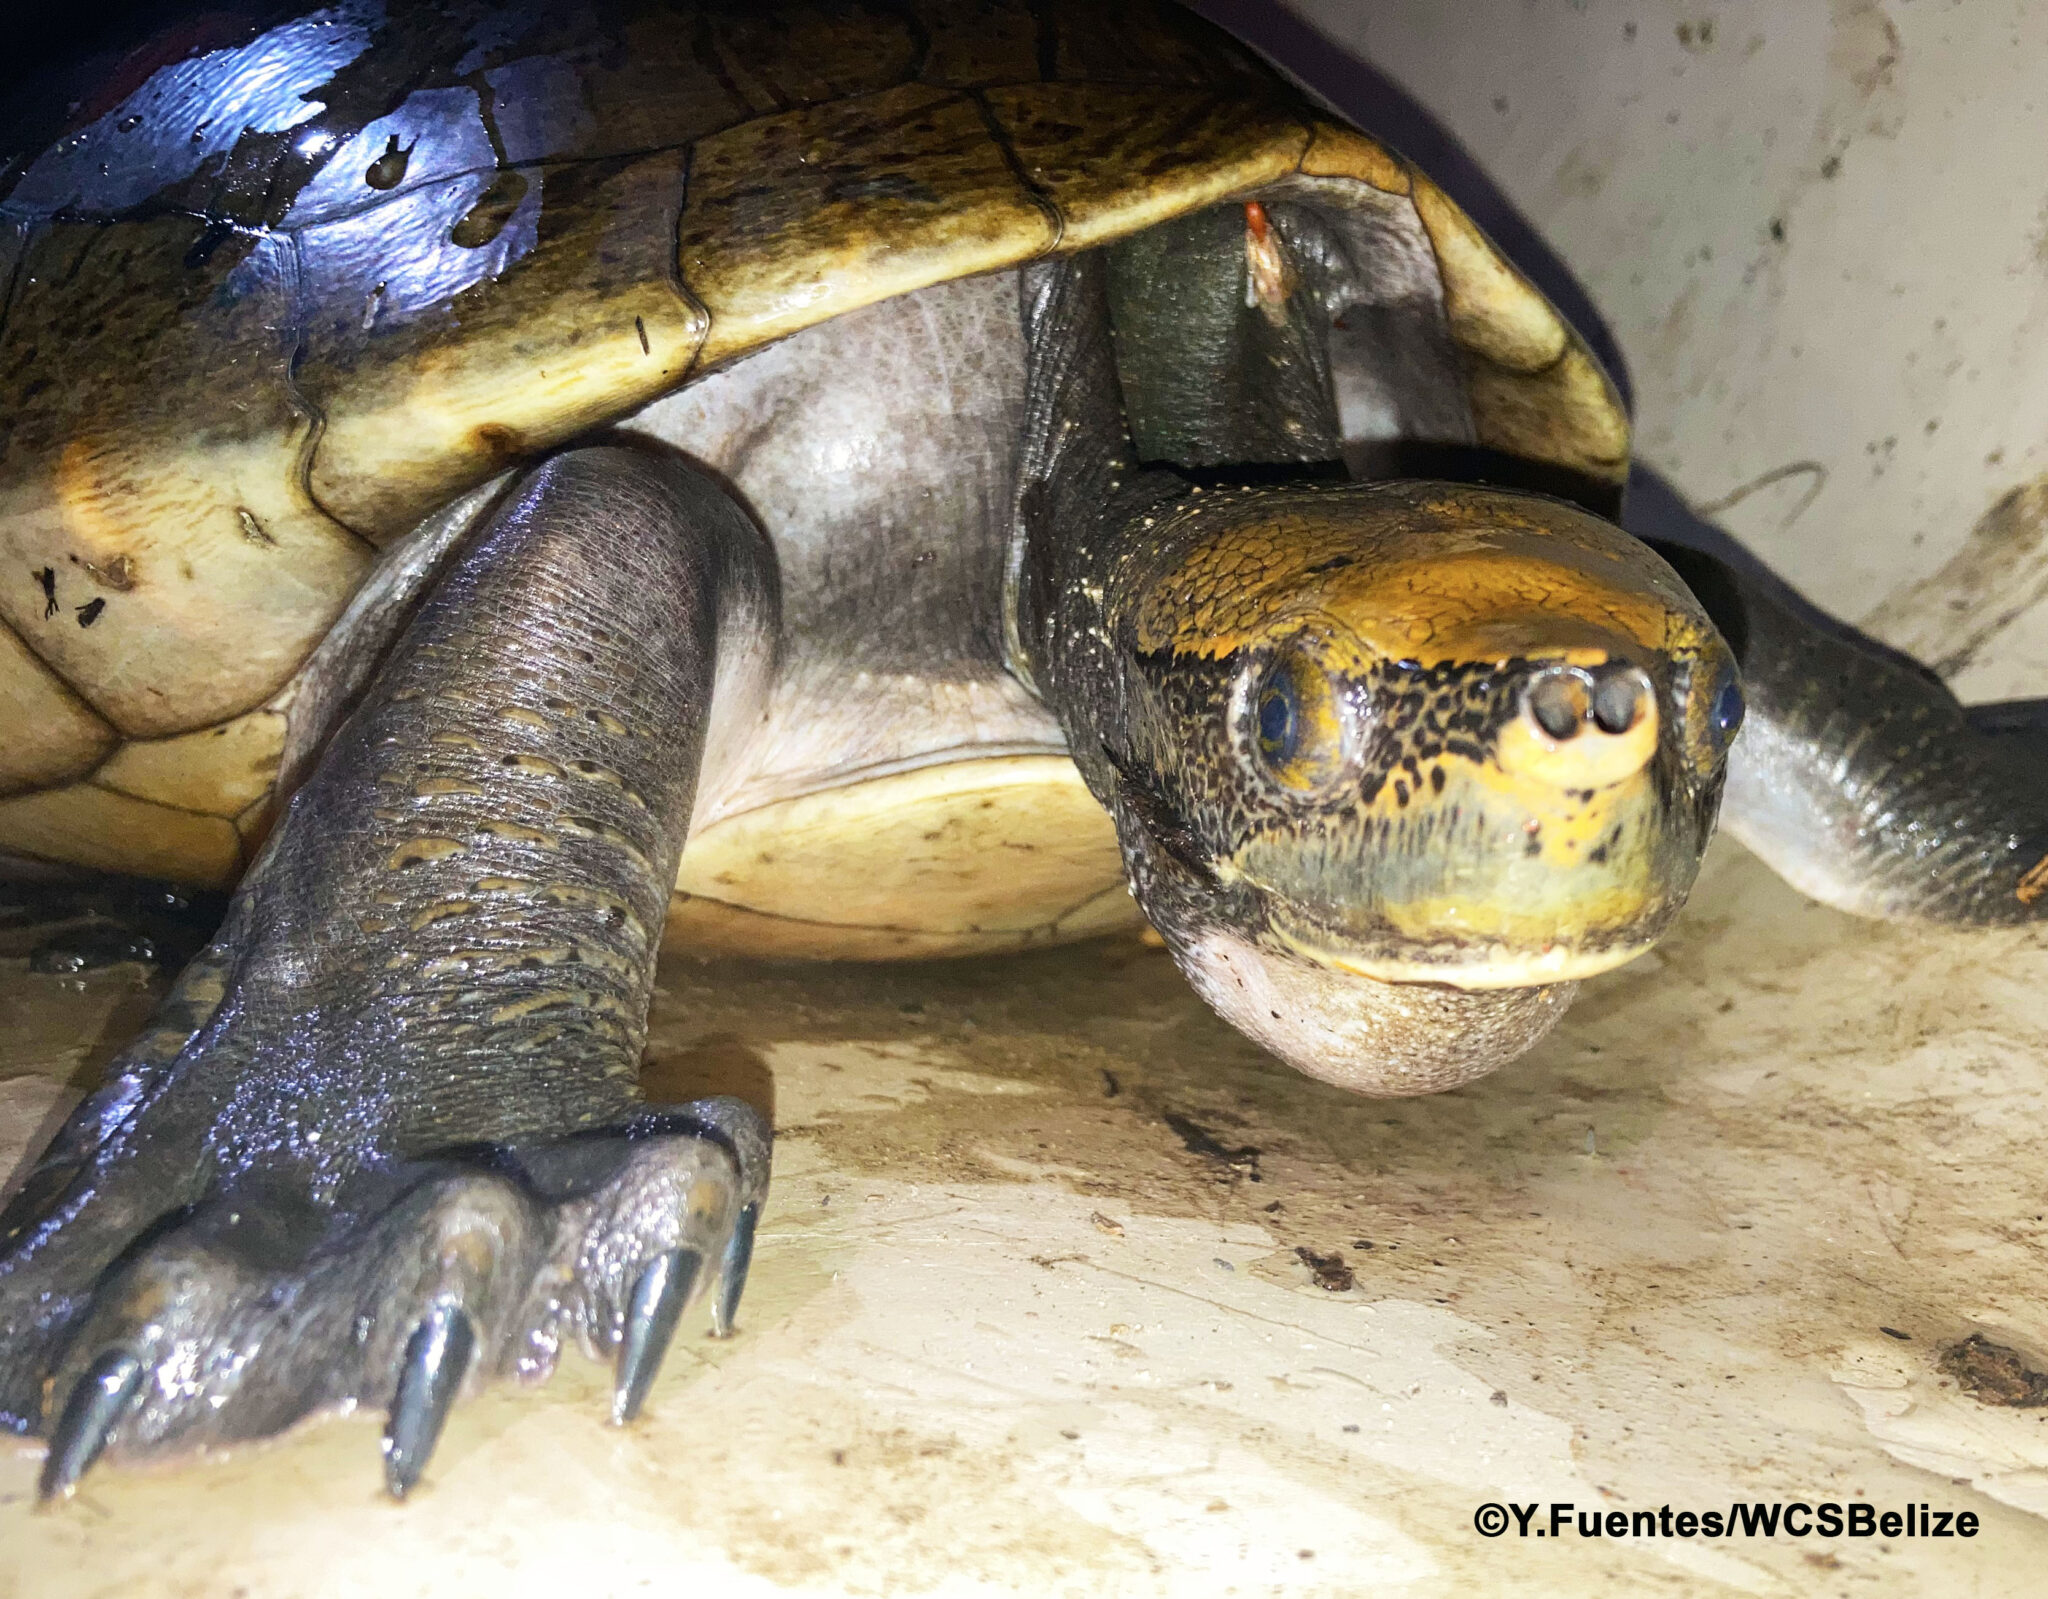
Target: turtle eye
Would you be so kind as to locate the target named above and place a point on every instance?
(1279, 721)
(1729, 709)
(1293, 724)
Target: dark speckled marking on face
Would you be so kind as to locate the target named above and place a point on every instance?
(1426, 713)
(1413, 718)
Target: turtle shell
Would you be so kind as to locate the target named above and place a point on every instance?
(278, 292)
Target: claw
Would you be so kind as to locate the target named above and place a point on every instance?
(732, 1273)
(660, 1294)
(436, 1360)
(93, 1408)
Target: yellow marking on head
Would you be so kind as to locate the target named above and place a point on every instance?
(1429, 574)
(2035, 884)
(1498, 604)
(1523, 879)
(1563, 819)
(1592, 759)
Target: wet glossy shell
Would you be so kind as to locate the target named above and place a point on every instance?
(273, 298)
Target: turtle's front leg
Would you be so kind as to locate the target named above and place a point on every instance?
(385, 1136)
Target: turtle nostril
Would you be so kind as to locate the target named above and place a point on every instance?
(1618, 699)
(1556, 702)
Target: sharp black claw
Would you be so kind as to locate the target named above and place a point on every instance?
(436, 1360)
(93, 1408)
(659, 1295)
(732, 1274)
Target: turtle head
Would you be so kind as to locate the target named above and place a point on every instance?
(1401, 762)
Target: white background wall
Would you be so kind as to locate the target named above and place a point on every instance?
(1819, 229)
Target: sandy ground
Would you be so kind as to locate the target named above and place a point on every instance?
(1029, 1312)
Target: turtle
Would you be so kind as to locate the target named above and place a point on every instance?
(508, 489)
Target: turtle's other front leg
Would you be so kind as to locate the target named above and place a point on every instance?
(386, 1133)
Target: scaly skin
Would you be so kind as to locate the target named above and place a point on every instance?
(386, 1133)
(1863, 781)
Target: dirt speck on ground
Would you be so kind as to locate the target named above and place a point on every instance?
(1993, 1374)
(1329, 1271)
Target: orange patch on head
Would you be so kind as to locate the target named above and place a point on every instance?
(2035, 884)
(1421, 573)
(1492, 604)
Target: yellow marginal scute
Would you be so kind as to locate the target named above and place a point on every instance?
(795, 219)
(1492, 309)
(1336, 151)
(160, 482)
(1536, 389)
(586, 327)
(964, 857)
(1567, 413)
(1114, 162)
